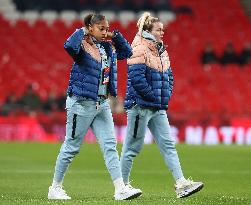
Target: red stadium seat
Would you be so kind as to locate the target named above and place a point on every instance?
(199, 90)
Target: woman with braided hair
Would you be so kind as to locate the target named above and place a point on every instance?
(93, 78)
(149, 89)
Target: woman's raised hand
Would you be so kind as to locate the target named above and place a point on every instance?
(110, 34)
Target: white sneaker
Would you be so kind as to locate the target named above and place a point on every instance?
(57, 192)
(127, 193)
(187, 188)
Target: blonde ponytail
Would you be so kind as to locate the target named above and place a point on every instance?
(145, 22)
(142, 21)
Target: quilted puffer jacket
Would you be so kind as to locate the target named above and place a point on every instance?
(86, 69)
(150, 78)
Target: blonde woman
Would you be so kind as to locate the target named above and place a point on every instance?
(149, 89)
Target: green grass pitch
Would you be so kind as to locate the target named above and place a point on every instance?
(26, 171)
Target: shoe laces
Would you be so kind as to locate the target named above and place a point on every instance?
(126, 188)
(129, 185)
(184, 183)
(189, 180)
(61, 190)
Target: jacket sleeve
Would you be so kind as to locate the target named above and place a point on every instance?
(73, 44)
(171, 81)
(123, 48)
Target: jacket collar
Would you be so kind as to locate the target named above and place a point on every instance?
(139, 40)
(93, 42)
(149, 36)
(150, 42)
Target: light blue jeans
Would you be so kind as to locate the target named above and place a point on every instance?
(82, 115)
(138, 119)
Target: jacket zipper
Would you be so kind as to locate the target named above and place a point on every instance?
(100, 73)
(162, 72)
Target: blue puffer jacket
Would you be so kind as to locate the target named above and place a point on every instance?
(86, 69)
(150, 78)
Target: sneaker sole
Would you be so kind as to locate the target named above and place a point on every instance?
(51, 198)
(56, 198)
(134, 196)
(192, 192)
